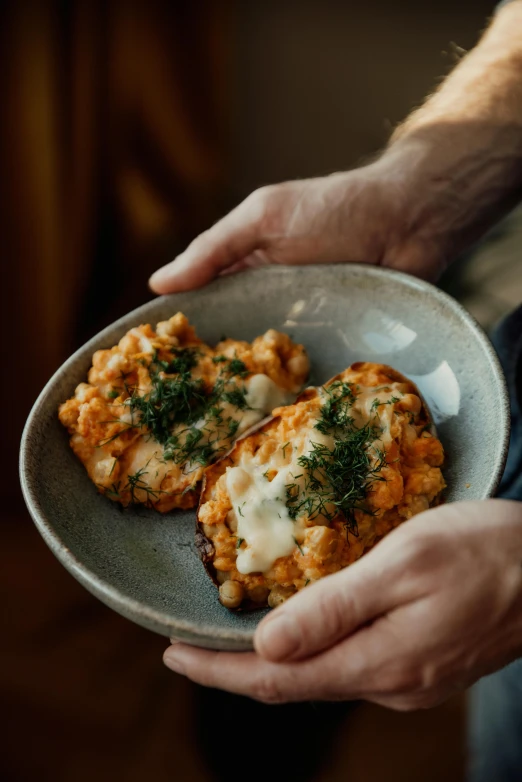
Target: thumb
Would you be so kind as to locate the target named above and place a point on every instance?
(224, 245)
(337, 605)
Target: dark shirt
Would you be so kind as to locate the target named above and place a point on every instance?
(507, 339)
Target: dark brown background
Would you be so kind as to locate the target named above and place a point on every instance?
(127, 127)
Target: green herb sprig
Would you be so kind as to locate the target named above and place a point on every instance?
(338, 479)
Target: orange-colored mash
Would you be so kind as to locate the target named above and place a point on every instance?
(316, 487)
(162, 405)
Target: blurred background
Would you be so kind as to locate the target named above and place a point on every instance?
(127, 128)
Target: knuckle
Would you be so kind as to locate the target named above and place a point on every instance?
(430, 676)
(422, 553)
(268, 691)
(402, 679)
(202, 243)
(258, 198)
(264, 193)
(261, 203)
(418, 546)
(334, 613)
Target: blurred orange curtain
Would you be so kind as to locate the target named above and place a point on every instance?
(111, 151)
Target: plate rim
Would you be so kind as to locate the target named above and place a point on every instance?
(204, 635)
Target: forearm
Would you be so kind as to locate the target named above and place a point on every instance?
(458, 159)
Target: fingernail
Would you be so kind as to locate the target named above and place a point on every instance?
(278, 637)
(174, 641)
(172, 661)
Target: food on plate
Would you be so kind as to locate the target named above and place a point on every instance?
(162, 405)
(313, 489)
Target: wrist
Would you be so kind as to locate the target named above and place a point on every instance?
(414, 242)
(455, 180)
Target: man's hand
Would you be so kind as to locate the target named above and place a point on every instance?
(359, 215)
(436, 605)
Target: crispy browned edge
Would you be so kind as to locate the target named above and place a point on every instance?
(204, 546)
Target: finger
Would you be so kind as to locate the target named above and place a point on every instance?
(320, 615)
(229, 241)
(326, 677)
(374, 663)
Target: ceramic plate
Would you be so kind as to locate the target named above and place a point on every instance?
(145, 565)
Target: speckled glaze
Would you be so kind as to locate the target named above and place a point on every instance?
(145, 565)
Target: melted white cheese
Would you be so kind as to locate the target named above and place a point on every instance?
(264, 395)
(382, 414)
(263, 521)
(147, 457)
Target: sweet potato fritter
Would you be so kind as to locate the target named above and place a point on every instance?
(162, 405)
(316, 487)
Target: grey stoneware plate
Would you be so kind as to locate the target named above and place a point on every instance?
(143, 564)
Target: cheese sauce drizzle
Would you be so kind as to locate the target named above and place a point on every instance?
(264, 522)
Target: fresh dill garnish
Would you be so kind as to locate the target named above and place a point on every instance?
(233, 426)
(128, 388)
(190, 445)
(338, 478)
(113, 466)
(184, 360)
(126, 426)
(113, 394)
(215, 413)
(239, 542)
(237, 397)
(298, 546)
(137, 483)
(178, 400)
(237, 367)
(183, 412)
(194, 448)
(239, 509)
(377, 402)
(283, 448)
(336, 411)
(113, 491)
(307, 582)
